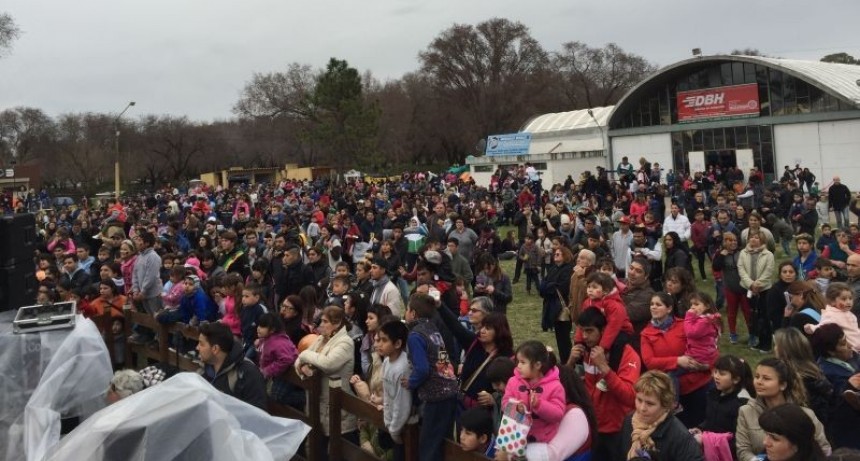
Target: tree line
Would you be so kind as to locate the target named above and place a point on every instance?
(471, 81)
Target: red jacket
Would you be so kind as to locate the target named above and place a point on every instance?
(660, 351)
(699, 234)
(616, 318)
(612, 405)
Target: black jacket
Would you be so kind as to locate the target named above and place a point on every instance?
(839, 196)
(250, 387)
(672, 441)
(293, 279)
(721, 411)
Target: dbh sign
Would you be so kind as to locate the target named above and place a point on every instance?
(720, 102)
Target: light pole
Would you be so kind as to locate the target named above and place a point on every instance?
(116, 145)
(602, 140)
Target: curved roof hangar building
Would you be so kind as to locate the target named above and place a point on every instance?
(744, 110)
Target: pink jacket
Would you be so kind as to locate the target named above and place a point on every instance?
(703, 332)
(549, 408)
(845, 319)
(127, 267)
(716, 446)
(173, 297)
(231, 318)
(277, 354)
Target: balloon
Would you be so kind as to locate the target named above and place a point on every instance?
(306, 342)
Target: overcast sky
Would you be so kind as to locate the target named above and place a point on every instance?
(192, 57)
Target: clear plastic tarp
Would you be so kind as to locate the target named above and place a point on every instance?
(183, 418)
(44, 377)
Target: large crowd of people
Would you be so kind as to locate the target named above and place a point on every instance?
(393, 291)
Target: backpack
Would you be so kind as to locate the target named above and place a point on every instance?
(442, 383)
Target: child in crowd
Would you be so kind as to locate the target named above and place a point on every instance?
(166, 265)
(603, 295)
(276, 353)
(822, 207)
(391, 342)
(432, 377)
(825, 272)
(529, 254)
(733, 387)
(338, 288)
(476, 432)
(826, 239)
(260, 275)
(228, 292)
(607, 266)
(249, 315)
(840, 300)
(545, 244)
(499, 372)
(536, 388)
(702, 325)
(174, 289)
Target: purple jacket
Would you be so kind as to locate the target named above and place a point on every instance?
(277, 354)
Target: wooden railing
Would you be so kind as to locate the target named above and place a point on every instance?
(340, 448)
(139, 356)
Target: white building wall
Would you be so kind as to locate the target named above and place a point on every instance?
(656, 148)
(827, 148)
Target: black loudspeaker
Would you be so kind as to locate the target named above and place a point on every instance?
(18, 286)
(17, 239)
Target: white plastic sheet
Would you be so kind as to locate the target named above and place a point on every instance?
(43, 377)
(183, 418)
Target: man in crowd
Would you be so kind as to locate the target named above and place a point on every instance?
(839, 198)
(226, 368)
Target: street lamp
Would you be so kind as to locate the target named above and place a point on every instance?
(116, 145)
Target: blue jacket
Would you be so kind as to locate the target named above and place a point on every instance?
(807, 266)
(199, 305)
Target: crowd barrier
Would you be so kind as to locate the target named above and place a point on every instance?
(140, 355)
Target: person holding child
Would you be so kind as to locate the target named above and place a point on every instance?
(664, 348)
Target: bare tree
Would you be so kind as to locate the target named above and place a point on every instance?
(9, 31)
(278, 93)
(593, 77)
(489, 72)
(85, 150)
(174, 145)
(24, 131)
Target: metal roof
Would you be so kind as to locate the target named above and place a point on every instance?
(840, 78)
(566, 121)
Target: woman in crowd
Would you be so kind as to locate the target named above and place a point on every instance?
(292, 310)
(777, 303)
(491, 339)
(678, 282)
(492, 282)
(790, 345)
(110, 300)
(363, 284)
(726, 262)
(663, 344)
(676, 254)
(209, 265)
(128, 256)
(333, 356)
(755, 266)
(555, 291)
(754, 224)
(790, 435)
(652, 431)
(776, 383)
(805, 305)
(840, 365)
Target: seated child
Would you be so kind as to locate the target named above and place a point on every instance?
(826, 239)
(477, 433)
(249, 315)
(733, 387)
(338, 288)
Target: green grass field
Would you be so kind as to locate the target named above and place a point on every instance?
(525, 310)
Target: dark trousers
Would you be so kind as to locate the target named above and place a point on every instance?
(324, 443)
(763, 328)
(607, 446)
(532, 276)
(437, 421)
(563, 339)
(701, 254)
(518, 269)
(694, 404)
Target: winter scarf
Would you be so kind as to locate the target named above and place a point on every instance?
(641, 437)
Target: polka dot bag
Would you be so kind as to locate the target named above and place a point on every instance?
(513, 431)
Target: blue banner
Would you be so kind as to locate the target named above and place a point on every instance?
(509, 144)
